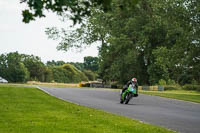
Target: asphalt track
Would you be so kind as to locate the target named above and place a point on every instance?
(177, 115)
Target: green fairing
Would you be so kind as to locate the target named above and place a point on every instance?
(129, 90)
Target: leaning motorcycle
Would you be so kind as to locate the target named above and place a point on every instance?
(128, 94)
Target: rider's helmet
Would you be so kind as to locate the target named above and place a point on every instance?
(134, 80)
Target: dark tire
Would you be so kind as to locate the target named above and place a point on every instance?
(127, 98)
(121, 101)
(127, 101)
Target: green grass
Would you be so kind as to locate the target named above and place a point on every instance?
(29, 110)
(193, 96)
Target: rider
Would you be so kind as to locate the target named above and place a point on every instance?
(132, 81)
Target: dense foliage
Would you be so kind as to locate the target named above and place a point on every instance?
(91, 63)
(16, 67)
(150, 40)
(12, 69)
(90, 75)
(68, 74)
(38, 71)
(77, 8)
(158, 42)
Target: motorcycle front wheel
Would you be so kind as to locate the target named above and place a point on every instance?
(128, 97)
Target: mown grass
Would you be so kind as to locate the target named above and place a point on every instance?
(29, 110)
(193, 96)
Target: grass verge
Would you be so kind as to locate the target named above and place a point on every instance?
(193, 96)
(29, 110)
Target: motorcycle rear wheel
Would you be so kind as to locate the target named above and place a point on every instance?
(121, 101)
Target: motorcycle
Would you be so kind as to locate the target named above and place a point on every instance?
(128, 94)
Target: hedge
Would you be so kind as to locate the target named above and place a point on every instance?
(171, 87)
(191, 87)
(67, 73)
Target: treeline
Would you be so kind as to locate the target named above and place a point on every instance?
(154, 41)
(16, 67)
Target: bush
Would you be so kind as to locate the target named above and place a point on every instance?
(68, 74)
(162, 82)
(171, 82)
(60, 75)
(90, 75)
(194, 82)
(82, 76)
(48, 75)
(171, 87)
(191, 87)
(75, 74)
(17, 73)
(20, 73)
(12, 68)
(185, 79)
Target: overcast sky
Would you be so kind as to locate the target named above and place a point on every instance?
(31, 38)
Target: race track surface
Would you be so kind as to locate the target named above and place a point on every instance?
(177, 115)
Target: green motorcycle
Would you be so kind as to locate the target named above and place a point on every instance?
(128, 94)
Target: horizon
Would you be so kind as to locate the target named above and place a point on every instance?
(47, 60)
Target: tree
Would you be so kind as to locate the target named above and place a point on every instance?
(55, 63)
(91, 63)
(67, 73)
(157, 37)
(19, 73)
(159, 69)
(35, 66)
(12, 68)
(48, 74)
(90, 75)
(78, 65)
(78, 8)
(51, 63)
(150, 40)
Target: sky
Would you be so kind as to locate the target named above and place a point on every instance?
(31, 38)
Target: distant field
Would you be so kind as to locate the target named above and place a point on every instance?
(185, 95)
(29, 110)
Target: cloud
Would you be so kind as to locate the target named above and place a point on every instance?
(30, 38)
(11, 5)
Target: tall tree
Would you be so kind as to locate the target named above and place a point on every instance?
(150, 40)
(91, 63)
(35, 67)
(78, 8)
(12, 68)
